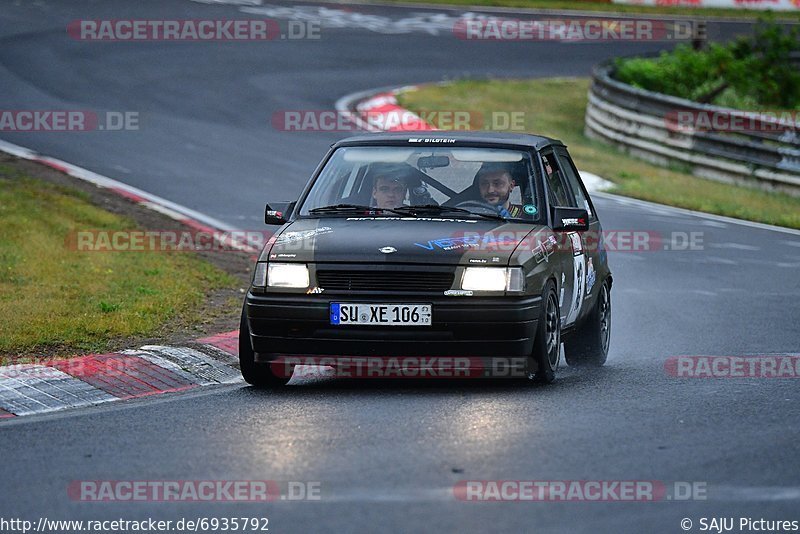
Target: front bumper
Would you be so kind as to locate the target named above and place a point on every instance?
(496, 327)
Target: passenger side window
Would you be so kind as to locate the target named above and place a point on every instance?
(559, 193)
(574, 182)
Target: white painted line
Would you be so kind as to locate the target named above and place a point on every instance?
(530, 11)
(18, 151)
(709, 216)
(172, 214)
(722, 261)
(562, 13)
(734, 246)
(756, 493)
(166, 207)
(714, 224)
(594, 182)
(388, 495)
(109, 183)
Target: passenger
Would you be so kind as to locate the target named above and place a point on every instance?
(495, 184)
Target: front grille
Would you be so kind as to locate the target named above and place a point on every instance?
(388, 281)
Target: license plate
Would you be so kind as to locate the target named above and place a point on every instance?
(381, 314)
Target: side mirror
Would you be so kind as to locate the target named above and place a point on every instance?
(570, 219)
(280, 213)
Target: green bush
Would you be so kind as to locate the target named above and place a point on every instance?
(750, 72)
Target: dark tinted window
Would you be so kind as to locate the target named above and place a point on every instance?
(574, 182)
(559, 193)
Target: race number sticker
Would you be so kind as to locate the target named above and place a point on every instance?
(578, 277)
(591, 278)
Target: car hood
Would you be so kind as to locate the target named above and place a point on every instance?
(426, 240)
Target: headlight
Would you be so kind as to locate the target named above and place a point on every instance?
(293, 275)
(493, 279)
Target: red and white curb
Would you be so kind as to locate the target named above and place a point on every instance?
(377, 110)
(27, 389)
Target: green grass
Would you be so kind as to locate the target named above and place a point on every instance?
(54, 299)
(556, 108)
(589, 5)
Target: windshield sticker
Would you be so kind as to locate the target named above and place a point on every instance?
(428, 219)
(292, 237)
(530, 209)
(432, 140)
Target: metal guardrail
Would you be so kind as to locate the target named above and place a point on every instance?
(647, 125)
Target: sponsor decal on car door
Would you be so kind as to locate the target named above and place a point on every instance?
(578, 277)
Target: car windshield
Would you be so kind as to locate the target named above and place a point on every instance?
(425, 181)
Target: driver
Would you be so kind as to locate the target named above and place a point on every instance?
(389, 191)
(495, 184)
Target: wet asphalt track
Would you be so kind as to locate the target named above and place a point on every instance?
(387, 454)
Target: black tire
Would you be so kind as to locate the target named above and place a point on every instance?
(547, 345)
(260, 375)
(588, 345)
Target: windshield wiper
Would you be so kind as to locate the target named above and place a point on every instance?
(349, 208)
(434, 208)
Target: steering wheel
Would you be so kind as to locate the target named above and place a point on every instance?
(476, 204)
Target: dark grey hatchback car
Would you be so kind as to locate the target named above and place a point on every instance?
(478, 247)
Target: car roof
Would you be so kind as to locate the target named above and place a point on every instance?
(471, 138)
